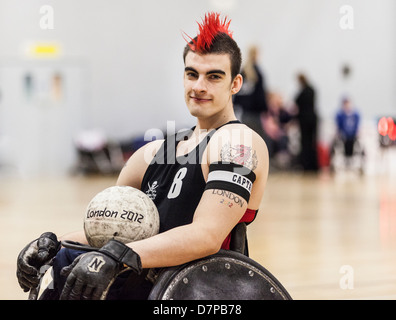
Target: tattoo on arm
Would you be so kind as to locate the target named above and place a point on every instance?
(239, 154)
(232, 198)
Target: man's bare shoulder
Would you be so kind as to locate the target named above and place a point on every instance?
(147, 152)
(136, 166)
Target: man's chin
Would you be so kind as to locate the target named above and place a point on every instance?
(196, 111)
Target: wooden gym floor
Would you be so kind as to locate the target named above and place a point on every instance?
(323, 237)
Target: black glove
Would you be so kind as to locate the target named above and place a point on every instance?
(91, 274)
(36, 254)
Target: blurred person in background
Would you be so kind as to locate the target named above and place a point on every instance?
(251, 100)
(275, 124)
(347, 122)
(308, 122)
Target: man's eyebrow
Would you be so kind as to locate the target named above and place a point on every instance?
(190, 69)
(216, 71)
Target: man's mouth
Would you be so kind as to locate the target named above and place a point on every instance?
(200, 99)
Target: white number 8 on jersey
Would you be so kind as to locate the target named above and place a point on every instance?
(176, 186)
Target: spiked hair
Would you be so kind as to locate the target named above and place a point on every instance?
(215, 37)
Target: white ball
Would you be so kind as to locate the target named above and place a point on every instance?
(122, 213)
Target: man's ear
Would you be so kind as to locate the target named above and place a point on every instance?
(237, 84)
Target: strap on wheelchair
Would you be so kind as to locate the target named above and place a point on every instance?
(78, 246)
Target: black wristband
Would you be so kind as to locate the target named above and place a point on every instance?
(122, 254)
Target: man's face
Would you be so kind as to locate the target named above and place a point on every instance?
(208, 87)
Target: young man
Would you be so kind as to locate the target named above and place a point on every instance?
(207, 180)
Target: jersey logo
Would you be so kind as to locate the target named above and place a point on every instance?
(152, 192)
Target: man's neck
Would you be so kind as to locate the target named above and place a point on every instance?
(215, 121)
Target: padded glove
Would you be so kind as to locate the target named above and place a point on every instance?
(36, 254)
(91, 274)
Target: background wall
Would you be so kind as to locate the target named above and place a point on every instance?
(121, 65)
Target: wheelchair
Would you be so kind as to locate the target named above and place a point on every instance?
(226, 275)
(347, 154)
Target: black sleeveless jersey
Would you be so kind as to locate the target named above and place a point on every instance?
(176, 184)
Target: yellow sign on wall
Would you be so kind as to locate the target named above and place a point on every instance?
(44, 50)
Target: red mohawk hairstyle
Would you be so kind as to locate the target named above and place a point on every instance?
(214, 37)
(210, 27)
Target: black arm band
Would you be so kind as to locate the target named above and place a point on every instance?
(231, 177)
(122, 254)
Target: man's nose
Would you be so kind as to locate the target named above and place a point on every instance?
(200, 85)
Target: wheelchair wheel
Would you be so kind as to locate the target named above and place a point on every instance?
(226, 275)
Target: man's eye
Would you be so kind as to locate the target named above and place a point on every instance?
(191, 75)
(214, 77)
